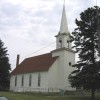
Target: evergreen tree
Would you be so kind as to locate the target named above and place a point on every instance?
(85, 37)
(4, 68)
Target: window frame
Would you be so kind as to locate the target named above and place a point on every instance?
(30, 80)
(39, 79)
(15, 81)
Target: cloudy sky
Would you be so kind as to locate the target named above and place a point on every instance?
(28, 27)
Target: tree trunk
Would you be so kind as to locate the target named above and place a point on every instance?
(93, 94)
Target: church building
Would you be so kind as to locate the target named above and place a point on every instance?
(47, 72)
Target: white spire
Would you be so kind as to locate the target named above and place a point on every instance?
(63, 25)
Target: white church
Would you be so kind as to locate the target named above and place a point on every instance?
(48, 72)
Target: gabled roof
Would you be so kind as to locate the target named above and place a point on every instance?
(35, 64)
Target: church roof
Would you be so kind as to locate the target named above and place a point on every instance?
(35, 64)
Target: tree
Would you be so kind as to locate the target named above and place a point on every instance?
(85, 37)
(4, 68)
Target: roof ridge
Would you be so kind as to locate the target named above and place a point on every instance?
(38, 55)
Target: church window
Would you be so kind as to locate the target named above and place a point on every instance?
(60, 43)
(70, 64)
(39, 79)
(16, 81)
(22, 80)
(30, 80)
(68, 40)
(67, 43)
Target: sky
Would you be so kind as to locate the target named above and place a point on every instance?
(28, 27)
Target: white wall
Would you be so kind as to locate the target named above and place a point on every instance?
(52, 77)
(34, 83)
(65, 56)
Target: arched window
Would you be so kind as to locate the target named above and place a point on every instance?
(70, 63)
(39, 79)
(30, 79)
(68, 40)
(60, 43)
(16, 81)
(22, 80)
(67, 44)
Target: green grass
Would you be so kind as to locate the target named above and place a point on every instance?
(34, 96)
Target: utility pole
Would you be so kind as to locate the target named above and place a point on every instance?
(98, 31)
(98, 26)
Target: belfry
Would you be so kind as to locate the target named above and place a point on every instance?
(63, 37)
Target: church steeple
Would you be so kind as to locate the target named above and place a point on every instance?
(63, 37)
(63, 25)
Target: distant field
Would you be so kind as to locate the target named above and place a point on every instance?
(33, 96)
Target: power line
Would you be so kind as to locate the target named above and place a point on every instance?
(40, 49)
(35, 51)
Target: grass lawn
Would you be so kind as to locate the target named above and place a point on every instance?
(33, 96)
